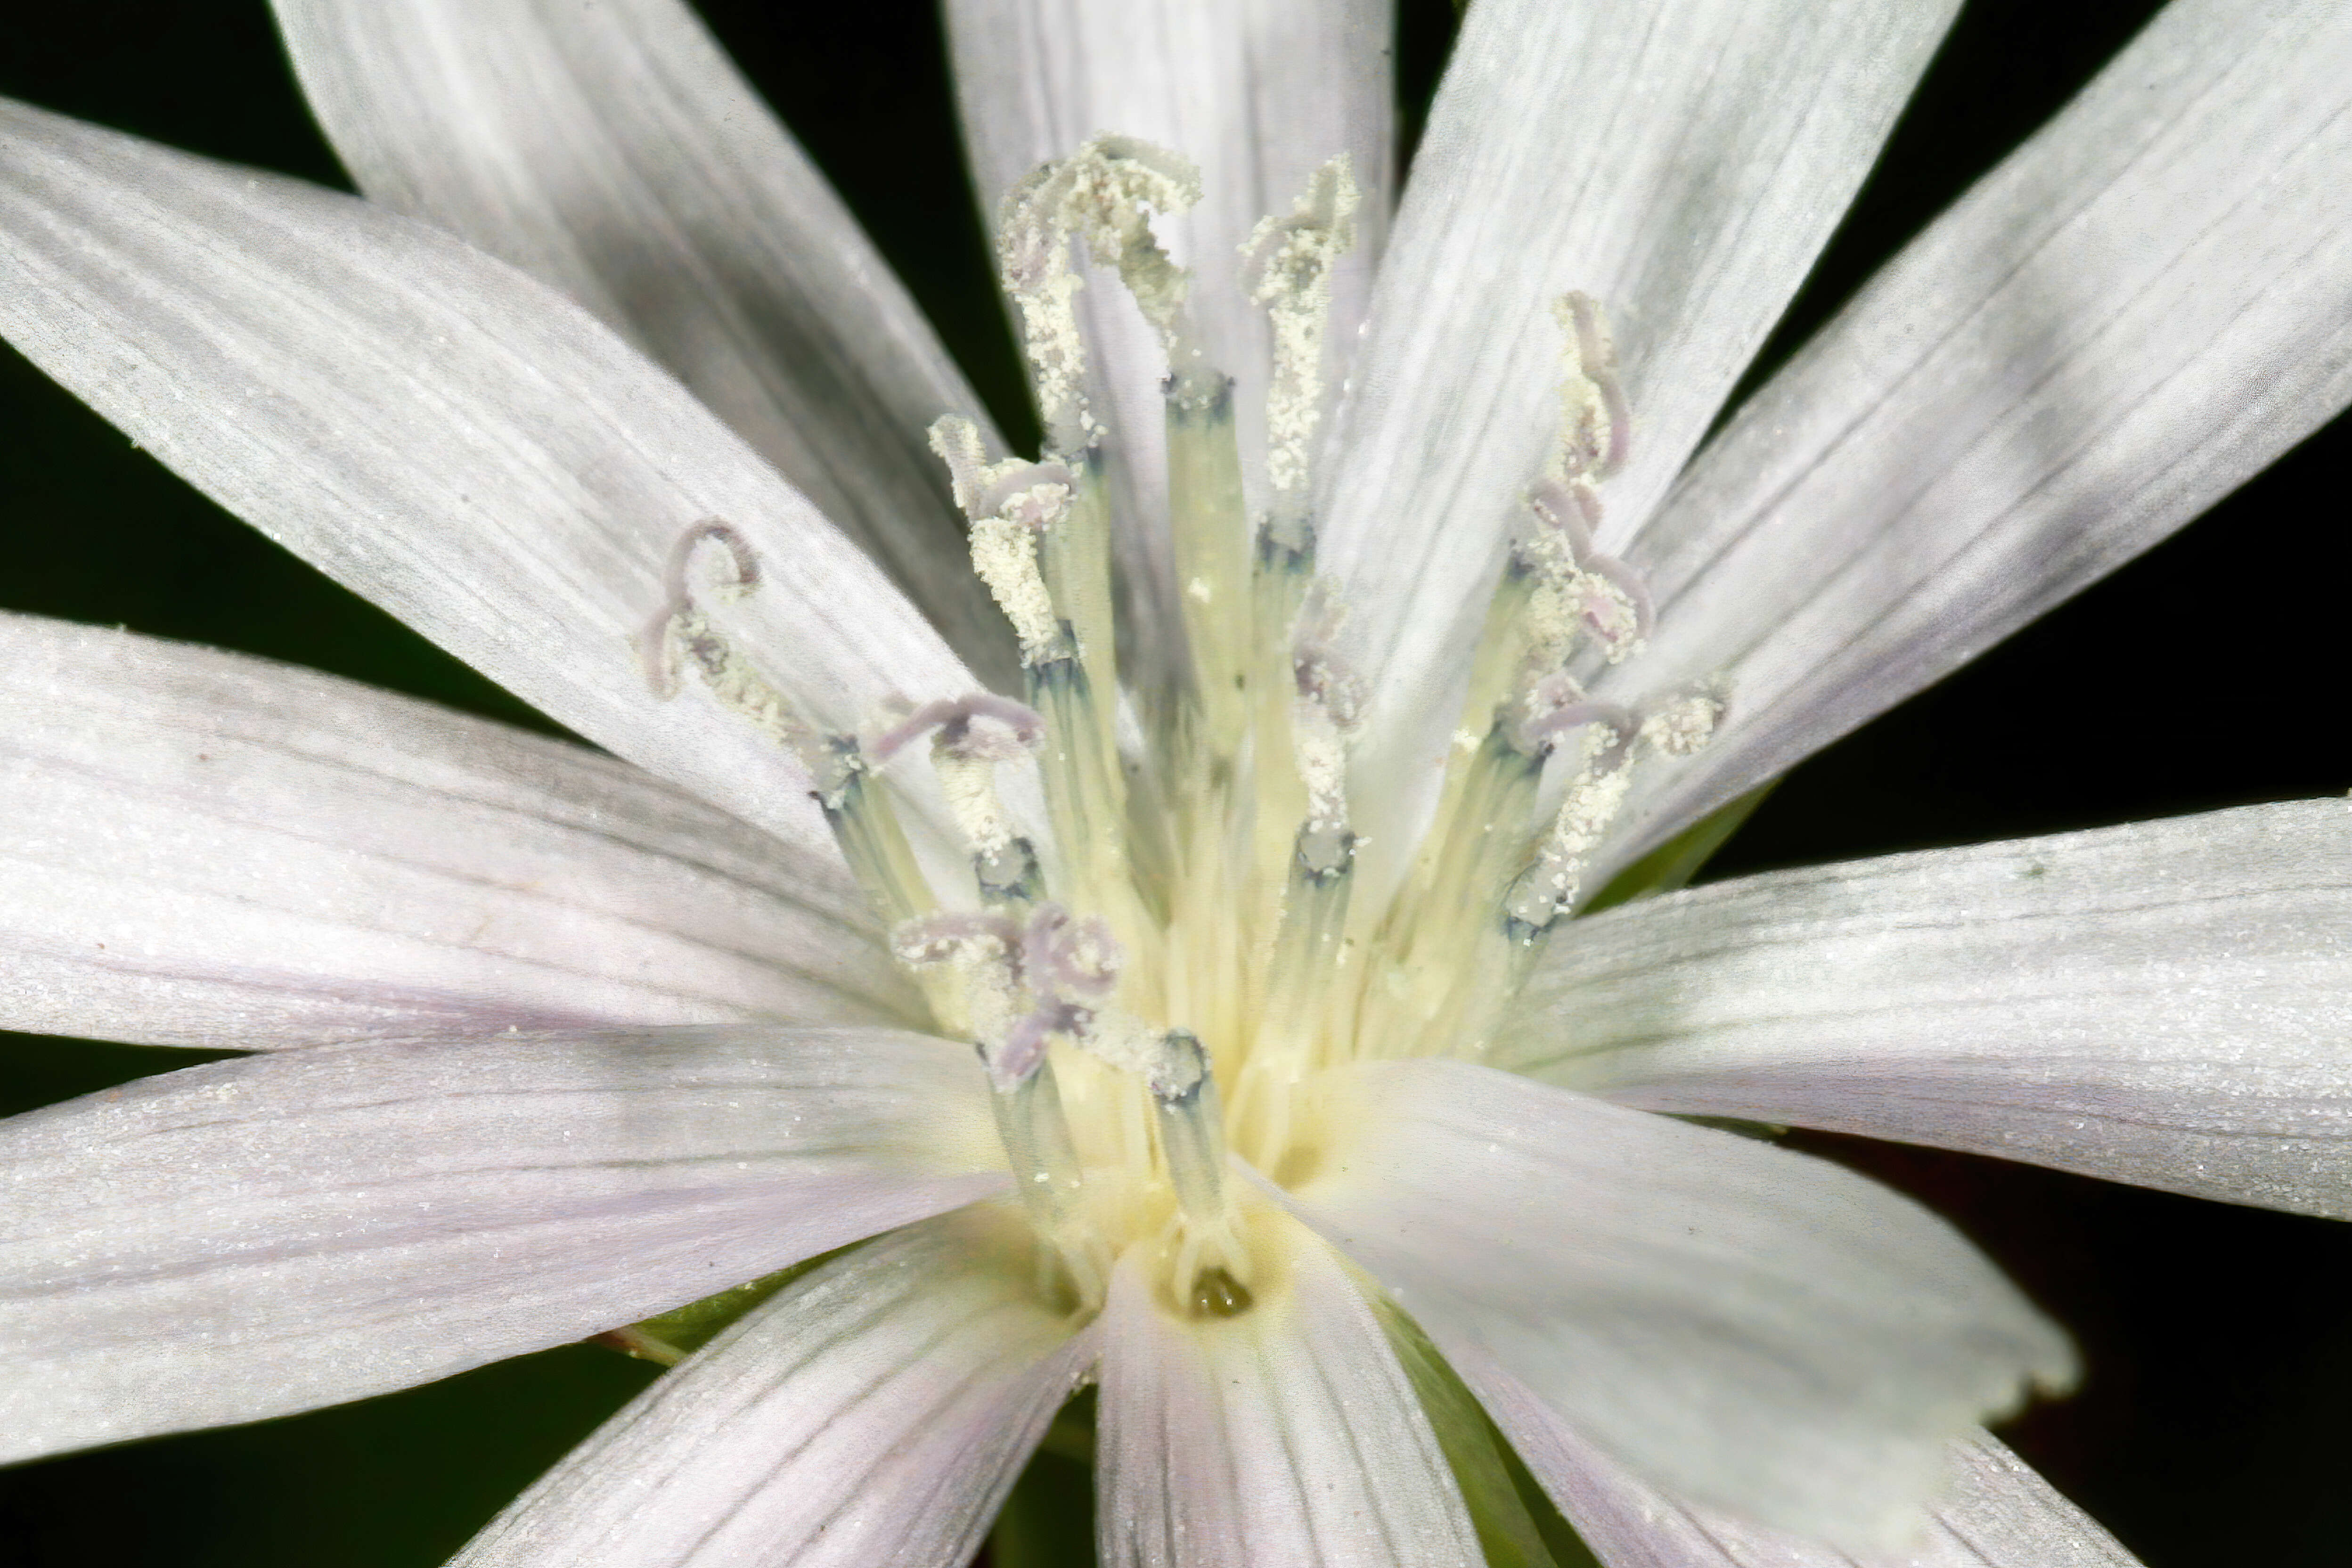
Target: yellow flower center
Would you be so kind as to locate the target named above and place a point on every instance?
(1155, 973)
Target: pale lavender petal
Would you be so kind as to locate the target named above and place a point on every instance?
(872, 1415)
(612, 151)
(1286, 1435)
(1258, 93)
(445, 436)
(203, 849)
(265, 1235)
(1749, 1327)
(2132, 316)
(2168, 1003)
(1994, 1512)
(1682, 163)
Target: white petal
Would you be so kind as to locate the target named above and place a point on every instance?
(2132, 316)
(1995, 1512)
(1258, 93)
(1743, 1325)
(872, 1415)
(2168, 1003)
(1286, 1435)
(437, 431)
(2000, 1514)
(614, 152)
(1682, 163)
(265, 1235)
(203, 849)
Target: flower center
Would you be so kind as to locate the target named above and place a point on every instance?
(1154, 982)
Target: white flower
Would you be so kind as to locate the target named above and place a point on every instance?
(580, 1044)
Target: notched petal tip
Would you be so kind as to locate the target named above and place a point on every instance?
(1739, 1324)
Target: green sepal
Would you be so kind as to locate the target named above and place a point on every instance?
(1048, 1518)
(1672, 864)
(1072, 1434)
(1517, 1525)
(670, 1338)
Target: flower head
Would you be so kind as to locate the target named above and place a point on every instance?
(1301, 1105)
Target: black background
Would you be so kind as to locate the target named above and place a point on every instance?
(2219, 1339)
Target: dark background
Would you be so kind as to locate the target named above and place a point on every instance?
(2219, 1339)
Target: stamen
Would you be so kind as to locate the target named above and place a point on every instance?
(1557, 594)
(1290, 263)
(1212, 1265)
(972, 960)
(1677, 726)
(1305, 1020)
(863, 822)
(1035, 1132)
(975, 735)
(1009, 504)
(1320, 704)
(1068, 960)
(1186, 1093)
(1597, 422)
(1680, 726)
(1106, 193)
(1209, 530)
(1117, 181)
(981, 725)
(1509, 943)
(681, 634)
(1553, 709)
(866, 825)
(1550, 885)
(1055, 976)
(1479, 844)
(1557, 591)
(1103, 194)
(1041, 540)
(1032, 250)
(1473, 980)
(1575, 588)
(1076, 565)
(958, 936)
(1329, 706)
(1474, 849)
(1085, 796)
(1031, 1124)
(1203, 862)
(1614, 601)
(1277, 597)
